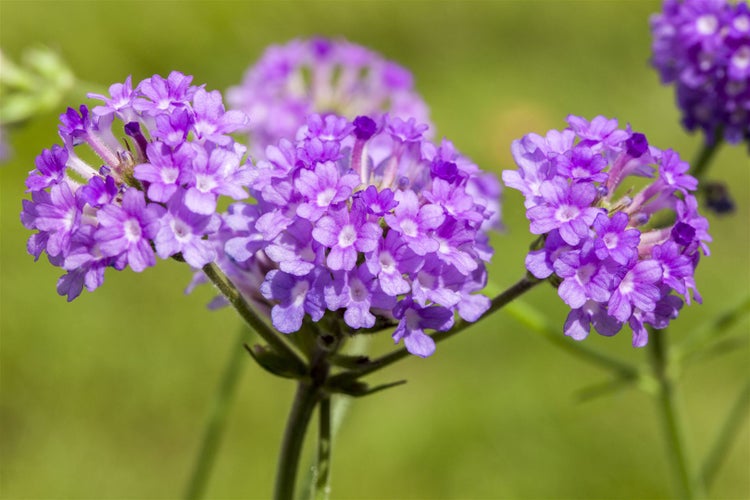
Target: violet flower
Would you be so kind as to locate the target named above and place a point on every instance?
(158, 188)
(379, 233)
(703, 48)
(617, 251)
(322, 76)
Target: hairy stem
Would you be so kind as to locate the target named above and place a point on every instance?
(672, 421)
(306, 398)
(323, 467)
(230, 292)
(216, 423)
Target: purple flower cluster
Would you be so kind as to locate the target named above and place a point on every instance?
(703, 46)
(320, 76)
(620, 228)
(99, 201)
(362, 221)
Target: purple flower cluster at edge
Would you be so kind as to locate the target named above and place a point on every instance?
(136, 177)
(363, 220)
(621, 231)
(320, 75)
(703, 47)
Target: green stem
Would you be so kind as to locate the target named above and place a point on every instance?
(230, 292)
(522, 286)
(727, 436)
(703, 160)
(323, 468)
(672, 419)
(216, 423)
(306, 398)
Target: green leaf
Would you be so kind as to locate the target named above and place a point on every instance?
(276, 363)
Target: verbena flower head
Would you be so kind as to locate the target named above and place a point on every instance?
(620, 232)
(137, 176)
(703, 47)
(323, 76)
(363, 223)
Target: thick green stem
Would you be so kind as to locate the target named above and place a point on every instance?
(306, 398)
(673, 425)
(727, 436)
(230, 292)
(323, 467)
(216, 423)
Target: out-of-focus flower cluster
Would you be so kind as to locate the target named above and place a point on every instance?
(136, 176)
(365, 222)
(617, 250)
(703, 47)
(322, 76)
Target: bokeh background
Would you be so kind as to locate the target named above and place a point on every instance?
(105, 397)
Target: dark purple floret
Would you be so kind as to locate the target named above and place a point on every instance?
(133, 129)
(364, 127)
(682, 233)
(637, 145)
(74, 125)
(445, 170)
(50, 168)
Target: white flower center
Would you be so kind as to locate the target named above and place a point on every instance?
(347, 236)
(169, 175)
(132, 230)
(627, 285)
(741, 58)
(387, 262)
(742, 23)
(706, 24)
(324, 198)
(181, 230)
(204, 183)
(610, 240)
(444, 248)
(567, 213)
(409, 227)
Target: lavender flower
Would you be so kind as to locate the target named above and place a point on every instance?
(620, 250)
(703, 47)
(156, 190)
(354, 223)
(318, 75)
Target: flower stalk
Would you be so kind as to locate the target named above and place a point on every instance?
(233, 295)
(323, 466)
(305, 399)
(690, 487)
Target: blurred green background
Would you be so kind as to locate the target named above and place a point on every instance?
(105, 397)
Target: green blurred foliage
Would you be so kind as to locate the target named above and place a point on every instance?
(105, 397)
